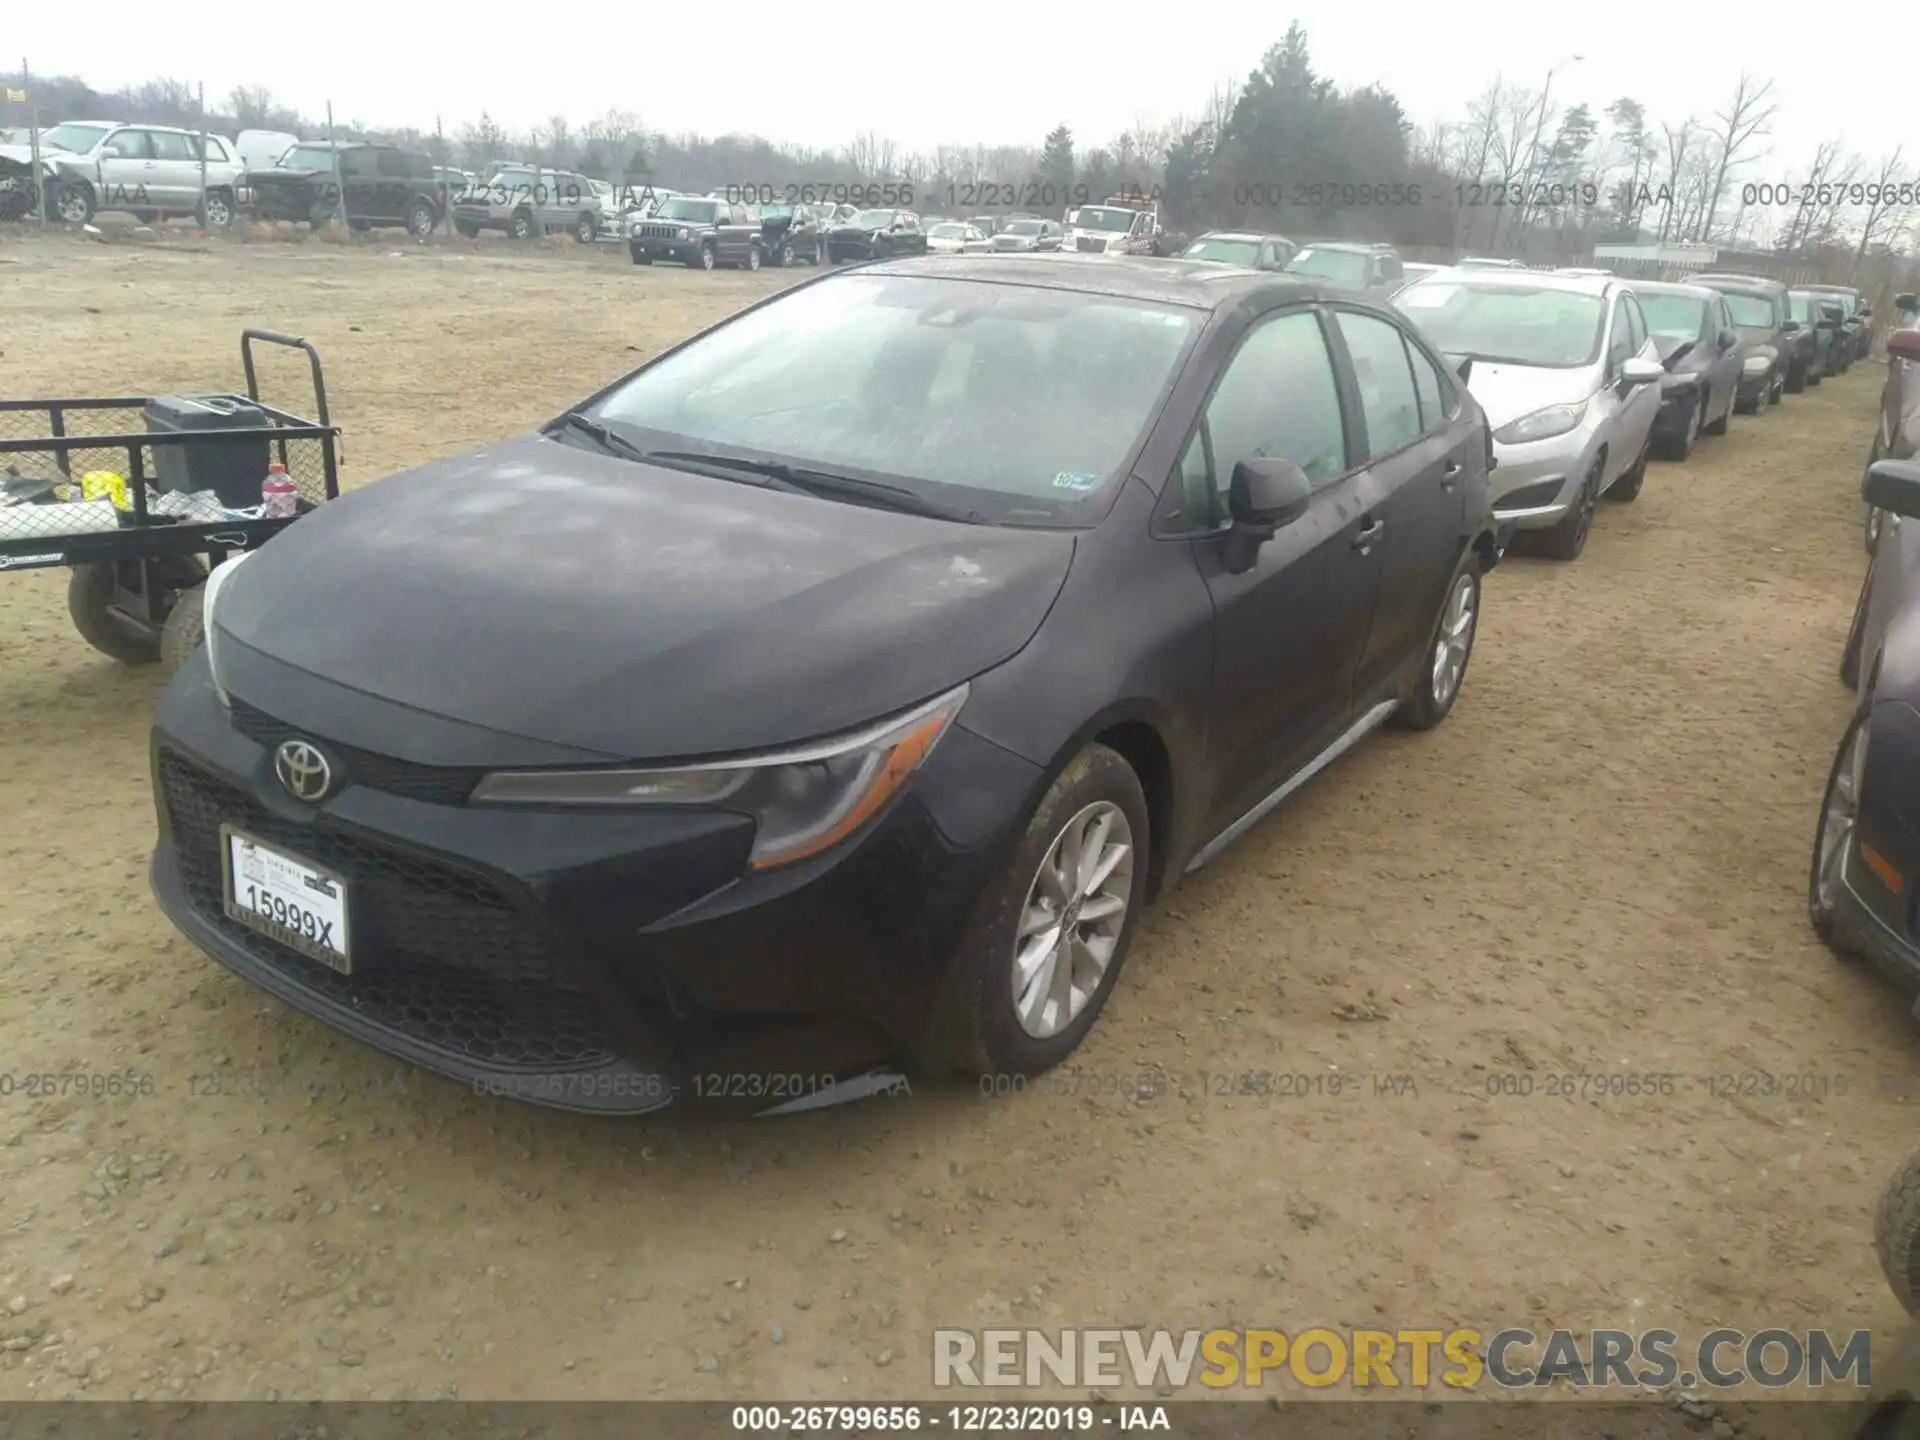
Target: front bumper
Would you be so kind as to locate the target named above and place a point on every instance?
(1536, 483)
(681, 252)
(611, 963)
(1752, 386)
(1677, 408)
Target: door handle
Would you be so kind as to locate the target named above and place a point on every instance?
(1365, 540)
(1450, 475)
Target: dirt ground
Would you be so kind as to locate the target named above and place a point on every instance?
(1596, 866)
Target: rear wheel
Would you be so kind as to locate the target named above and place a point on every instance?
(101, 599)
(216, 210)
(1052, 933)
(1833, 837)
(584, 229)
(1896, 1234)
(754, 257)
(783, 257)
(1448, 652)
(521, 226)
(421, 220)
(467, 228)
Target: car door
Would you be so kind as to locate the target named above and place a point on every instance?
(1732, 357)
(1617, 424)
(1423, 461)
(1643, 401)
(173, 174)
(129, 176)
(1290, 629)
(393, 187)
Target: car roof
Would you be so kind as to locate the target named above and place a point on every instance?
(1732, 281)
(1197, 284)
(1833, 289)
(1599, 286)
(1238, 235)
(1360, 247)
(1669, 287)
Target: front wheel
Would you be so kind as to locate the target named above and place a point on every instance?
(1566, 540)
(754, 257)
(1052, 932)
(522, 225)
(75, 203)
(584, 229)
(784, 256)
(1448, 652)
(1896, 1234)
(707, 258)
(1627, 488)
(1679, 447)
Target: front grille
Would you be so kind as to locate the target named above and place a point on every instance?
(656, 232)
(440, 954)
(435, 784)
(1091, 244)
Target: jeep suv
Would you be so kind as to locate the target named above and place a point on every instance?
(1374, 270)
(521, 198)
(381, 184)
(153, 171)
(701, 230)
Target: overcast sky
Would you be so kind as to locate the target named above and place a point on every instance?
(924, 73)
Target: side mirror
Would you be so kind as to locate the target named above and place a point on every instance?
(1464, 369)
(1680, 352)
(1907, 303)
(1904, 344)
(1893, 486)
(1790, 327)
(1637, 372)
(1265, 493)
(1727, 339)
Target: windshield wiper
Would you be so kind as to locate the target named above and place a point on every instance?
(610, 441)
(823, 483)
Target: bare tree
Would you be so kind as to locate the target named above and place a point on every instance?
(1827, 182)
(1678, 151)
(1886, 213)
(1744, 121)
(872, 157)
(251, 105)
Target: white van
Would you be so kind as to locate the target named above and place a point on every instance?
(262, 149)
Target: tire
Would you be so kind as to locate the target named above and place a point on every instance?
(1797, 378)
(1896, 1234)
(1816, 372)
(467, 228)
(754, 258)
(75, 202)
(216, 211)
(783, 257)
(1454, 629)
(1679, 447)
(1856, 635)
(360, 227)
(1627, 488)
(707, 258)
(1846, 767)
(521, 226)
(184, 630)
(1566, 540)
(1096, 786)
(421, 220)
(584, 229)
(91, 592)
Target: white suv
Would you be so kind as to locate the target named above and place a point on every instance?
(152, 170)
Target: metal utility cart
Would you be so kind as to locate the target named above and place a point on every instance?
(142, 496)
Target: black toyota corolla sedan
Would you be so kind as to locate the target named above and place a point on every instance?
(833, 691)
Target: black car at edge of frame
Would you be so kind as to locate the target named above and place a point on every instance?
(897, 683)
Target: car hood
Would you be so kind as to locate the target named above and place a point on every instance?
(271, 174)
(858, 229)
(1506, 392)
(561, 596)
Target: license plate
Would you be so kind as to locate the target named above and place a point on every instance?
(286, 898)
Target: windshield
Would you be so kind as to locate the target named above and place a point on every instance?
(681, 208)
(873, 219)
(1233, 252)
(1674, 317)
(1024, 227)
(307, 157)
(1014, 401)
(775, 212)
(949, 232)
(1516, 324)
(1848, 304)
(1343, 267)
(1099, 217)
(73, 137)
(1750, 312)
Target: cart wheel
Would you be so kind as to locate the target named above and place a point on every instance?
(93, 595)
(186, 627)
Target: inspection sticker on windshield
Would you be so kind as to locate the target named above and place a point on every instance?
(1076, 480)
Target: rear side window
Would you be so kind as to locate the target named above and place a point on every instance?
(132, 144)
(1387, 395)
(169, 145)
(1431, 388)
(392, 165)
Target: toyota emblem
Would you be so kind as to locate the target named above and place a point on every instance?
(303, 770)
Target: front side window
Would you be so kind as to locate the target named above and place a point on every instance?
(1017, 402)
(1752, 312)
(1388, 398)
(1277, 398)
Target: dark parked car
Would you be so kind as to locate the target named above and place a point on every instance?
(1857, 324)
(1823, 317)
(1702, 351)
(876, 235)
(792, 232)
(701, 231)
(1760, 313)
(1233, 247)
(725, 738)
(1020, 233)
(1374, 270)
(1896, 435)
(383, 185)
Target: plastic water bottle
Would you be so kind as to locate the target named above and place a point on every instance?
(278, 498)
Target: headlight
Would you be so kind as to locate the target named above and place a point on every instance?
(1541, 424)
(681, 233)
(209, 596)
(1759, 363)
(804, 800)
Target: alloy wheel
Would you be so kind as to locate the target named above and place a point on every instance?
(219, 215)
(72, 206)
(1072, 920)
(1837, 818)
(1455, 641)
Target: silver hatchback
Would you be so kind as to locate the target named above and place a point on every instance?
(1569, 377)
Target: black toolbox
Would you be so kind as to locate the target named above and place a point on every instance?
(232, 466)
